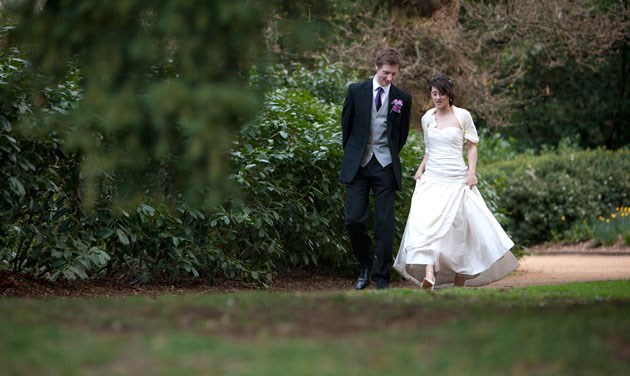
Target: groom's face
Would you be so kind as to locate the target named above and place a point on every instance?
(386, 73)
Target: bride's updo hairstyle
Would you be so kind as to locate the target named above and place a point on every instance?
(444, 85)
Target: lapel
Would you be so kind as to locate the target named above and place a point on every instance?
(394, 93)
(366, 100)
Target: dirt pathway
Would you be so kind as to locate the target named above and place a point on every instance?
(556, 264)
(566, 268)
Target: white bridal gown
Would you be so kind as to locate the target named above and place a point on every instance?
(449, 224)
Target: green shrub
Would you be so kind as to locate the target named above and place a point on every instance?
(40, 217)
(288, 212)
(544, 197)
(495, 147)
(286, 163)
(325, 81)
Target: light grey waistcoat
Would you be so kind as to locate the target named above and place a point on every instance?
(377, 142)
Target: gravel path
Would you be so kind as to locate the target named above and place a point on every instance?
(557, 263)
(565, 268)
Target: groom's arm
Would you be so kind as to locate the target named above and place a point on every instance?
(347, 116)
(404, 123)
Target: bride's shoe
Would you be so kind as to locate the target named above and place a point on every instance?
(428, 283)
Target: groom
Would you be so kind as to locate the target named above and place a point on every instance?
(375, 125)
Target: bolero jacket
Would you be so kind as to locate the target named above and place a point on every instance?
(463, 117)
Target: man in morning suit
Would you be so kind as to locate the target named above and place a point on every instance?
(375, 125)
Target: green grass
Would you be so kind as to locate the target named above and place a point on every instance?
(574, 329)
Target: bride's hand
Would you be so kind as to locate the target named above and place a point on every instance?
(418, 175)
(471, 181)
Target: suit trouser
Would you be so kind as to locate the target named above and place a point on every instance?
(381, 181)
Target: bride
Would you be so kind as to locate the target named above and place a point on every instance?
(451, 237)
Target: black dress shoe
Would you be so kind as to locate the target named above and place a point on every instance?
(382, 284)
(364, 278)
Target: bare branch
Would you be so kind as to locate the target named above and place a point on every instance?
(487, 49)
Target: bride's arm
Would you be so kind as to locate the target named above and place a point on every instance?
(420, 169)
(471, 180)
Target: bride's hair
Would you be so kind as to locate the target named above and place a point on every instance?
(444, 85)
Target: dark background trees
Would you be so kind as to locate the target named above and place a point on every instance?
(513, 61)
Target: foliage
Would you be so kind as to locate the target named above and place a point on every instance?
(580, 103)
(547, 195)
(298, 28)
(610, 228)
(288, 212)
(285, 162)
(119, 111)
(495, 146)
(287, 165)
(542, 68)
(162, 83)
(40, 218)
(326, 81)
(63, 122)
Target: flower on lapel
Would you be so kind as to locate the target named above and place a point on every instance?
(397, 105)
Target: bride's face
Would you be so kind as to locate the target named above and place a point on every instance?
(440, 100)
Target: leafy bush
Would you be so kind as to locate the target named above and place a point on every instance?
(496, 147)
(544, 197)
(325, 81)
(288, 211)
(286, 165)
(40, 219)
(136, 134)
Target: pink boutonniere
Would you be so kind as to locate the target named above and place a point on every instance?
(397, 105)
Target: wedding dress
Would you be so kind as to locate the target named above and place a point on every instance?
(449, 224)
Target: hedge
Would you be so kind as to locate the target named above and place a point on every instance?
(544, 197)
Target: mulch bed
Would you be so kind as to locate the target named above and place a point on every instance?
(20, 285)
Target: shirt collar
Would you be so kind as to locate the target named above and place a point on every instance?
(375, 85)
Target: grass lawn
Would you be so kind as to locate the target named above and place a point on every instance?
(574, 329)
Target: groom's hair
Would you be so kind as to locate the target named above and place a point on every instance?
(387, 55)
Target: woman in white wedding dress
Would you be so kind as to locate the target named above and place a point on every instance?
(451, 237)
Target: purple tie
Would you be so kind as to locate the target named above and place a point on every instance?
(377, 100)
